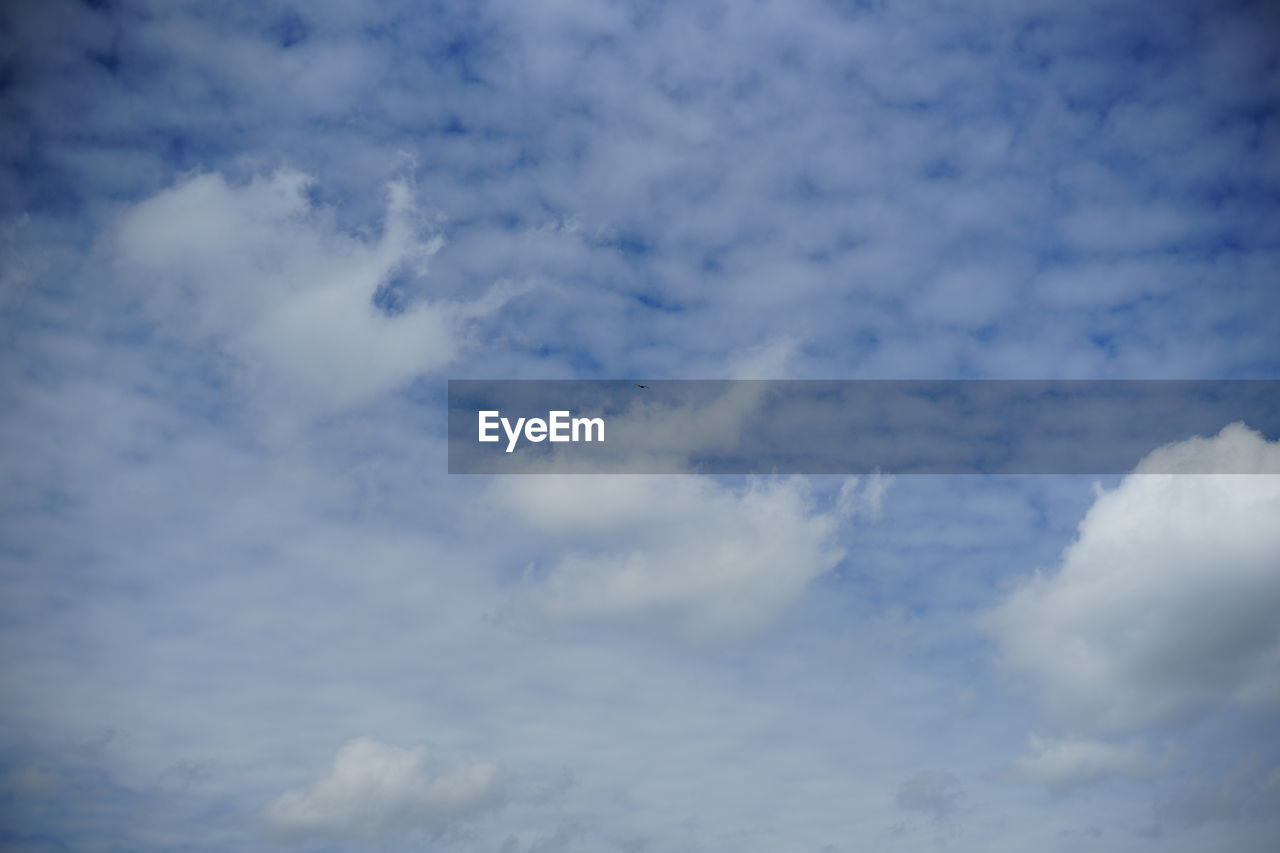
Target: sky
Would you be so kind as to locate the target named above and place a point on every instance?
(243, 246)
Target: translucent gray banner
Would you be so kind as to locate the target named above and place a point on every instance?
(841, 427)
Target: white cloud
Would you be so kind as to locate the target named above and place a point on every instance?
(712, 559)
(264, 274)
(1164, 606)
(375, 791)
(1067, 762)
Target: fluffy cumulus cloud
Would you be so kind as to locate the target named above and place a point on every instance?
(375, 792)
(1163, 609)
(706, 558)
(307, 311)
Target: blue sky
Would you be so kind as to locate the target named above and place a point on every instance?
(245, 608)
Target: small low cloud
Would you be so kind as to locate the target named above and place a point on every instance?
(936, 794)
(1070, 762)
(375, 792)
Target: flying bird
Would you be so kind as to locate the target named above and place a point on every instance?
(641, 386)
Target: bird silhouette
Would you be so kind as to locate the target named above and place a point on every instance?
(641, 386)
